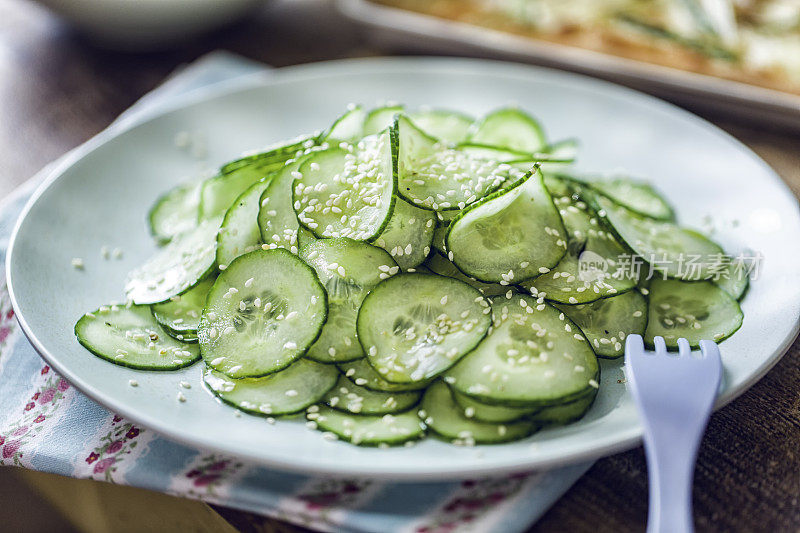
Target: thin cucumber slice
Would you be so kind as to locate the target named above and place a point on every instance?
(509, 128)
(362, 374)
(368, 430)
(509, 236)
(289, 391)
(380, 118)
(561, 155)
(450, 127)
(415, 326)
(188, 258)
(338, 193)
(495, 153)
(348, 127)
(262, 313)
(593, 266)
(175, 212)
(348, 270)
(348, 397)
(557, 187)
(606, 322)
(494, 414)
(239, 232)
(445, 418)
(219, 192)
(692, 310)
(278, 152)
(434, 177)
(276, 219)
(637, 196)
(130, 336)
(559, 415)
(439, 264)
(409, 235)
(677, 252)
(439, 238)
(534, 356)
(181, 314)
(734, 279)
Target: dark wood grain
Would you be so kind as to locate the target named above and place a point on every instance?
(56, 91)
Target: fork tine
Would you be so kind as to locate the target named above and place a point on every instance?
(634, 344)
(709, 349)
(684, 349)
(660, 345)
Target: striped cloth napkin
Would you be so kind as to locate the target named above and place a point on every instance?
(47, 425)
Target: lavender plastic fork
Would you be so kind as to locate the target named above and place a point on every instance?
(675, 393)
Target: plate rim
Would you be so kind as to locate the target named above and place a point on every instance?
(626, 440)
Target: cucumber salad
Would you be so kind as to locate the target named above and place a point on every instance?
(410, 272)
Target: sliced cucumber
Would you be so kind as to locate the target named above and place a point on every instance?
(494, 414)
(557, 187)
(509, 236)
(606, 322)
(262, 313)
(439, 236)
(733, 279)
(348, 270)
(559, 415)
(510, 128)
(130, 336)
(445, 418)
(275, 153)
(362, 374)
(180, 315)
(639, 197)
(347, 128)
(289, 391)
(188, 258)
(409, 235)
(368, 430)
(677, 252)
(692, 310)
(348, 397)
(277, 220)
(380, 118)
(438, 264)
(239, 232)
(219, 192)
(534, 356)
(347, 194)
(593, 266)
(415, 326)
(437, 178)
(175, 212)
(450, 127)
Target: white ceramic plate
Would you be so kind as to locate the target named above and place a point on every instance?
(100, 196)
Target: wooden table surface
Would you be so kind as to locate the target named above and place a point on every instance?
(56, 91)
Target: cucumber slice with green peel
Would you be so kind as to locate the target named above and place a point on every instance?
(445, 418)
(434, 177)
(347, 128)
(557, 187)
(606, 322)
(494, 153)
(276, 218)
(130, 336)
(510, 128)
(368, 430)
(439, 237)
(637, 196)
(180, 315)
(692, 310)
(362, 374)
(561, 155)
(559, 415)
(338, 193)
(450, 127)
(239, 232)
(494, 414)
(668, 248)
(290, 391)
(509, 236)
(263, 313)
(304, 238)
(409, 235)
(348, 270)
(734, 279)
(188, 258)
(534, 356)
(593, 266)
(380, 118)
(415, 326)
(439, 264)
(275, 153)
(348, 397)
(175, 212)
